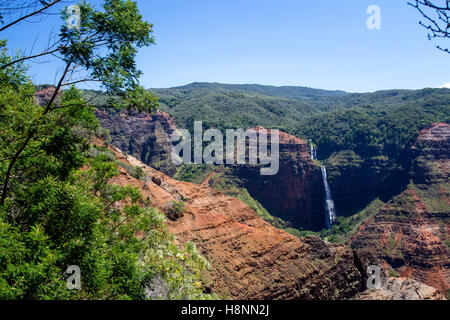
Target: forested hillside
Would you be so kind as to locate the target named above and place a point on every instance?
(379, 128)
(225, 107)
(331, 119)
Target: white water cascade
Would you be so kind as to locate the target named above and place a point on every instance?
(329, 203)
(313, 152)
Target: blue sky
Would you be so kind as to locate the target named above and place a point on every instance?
(320, 44)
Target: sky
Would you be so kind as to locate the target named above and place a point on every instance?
(320, 44)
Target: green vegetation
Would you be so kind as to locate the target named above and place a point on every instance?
(194, 173)
(368, 129)
(346, 227)
(175, 210)
(58, 208)
(393, 273)
(222, 108)
(135, 171)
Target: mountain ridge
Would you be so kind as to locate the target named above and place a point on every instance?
(280, 91)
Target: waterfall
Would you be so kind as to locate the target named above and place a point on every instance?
(329, 203)
(313, 152)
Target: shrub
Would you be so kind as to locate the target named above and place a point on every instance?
(103, 134)
(136, 172)
(175, 210)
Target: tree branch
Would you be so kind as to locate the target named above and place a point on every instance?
(29, 57)
(30, 15)
(438, 27)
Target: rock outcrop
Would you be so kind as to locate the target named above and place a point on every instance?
(411, 240)
(402, 289)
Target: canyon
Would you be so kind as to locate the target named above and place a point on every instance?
(249, 258)
(252, 259)
(294, 194)
(406, 237)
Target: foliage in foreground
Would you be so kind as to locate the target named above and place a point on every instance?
(60, 210)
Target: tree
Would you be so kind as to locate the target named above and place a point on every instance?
(437, 19)
(58, 206)
(102, 50)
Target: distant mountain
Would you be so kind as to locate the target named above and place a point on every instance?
(291, 92)
(245, 105)
(388, 99)
(223, 106)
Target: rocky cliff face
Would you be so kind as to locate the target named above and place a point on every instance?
(411, 240)
(357, 177)
(249, 258)
(411, 233)
(143, 135)
(433, 147)
(295, 194)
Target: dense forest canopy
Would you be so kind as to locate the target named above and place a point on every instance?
(333, 120)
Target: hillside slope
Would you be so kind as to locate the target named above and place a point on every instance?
(249, 258)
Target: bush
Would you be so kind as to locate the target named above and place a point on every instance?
(136, 172)
(103, 134)
(175, 210)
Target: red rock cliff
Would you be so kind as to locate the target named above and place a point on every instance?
(143, 135)
(249, 258)
(295, 193)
